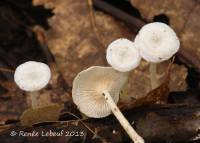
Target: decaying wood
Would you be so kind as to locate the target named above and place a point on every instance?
(157, 123)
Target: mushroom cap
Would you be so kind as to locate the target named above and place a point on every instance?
(122, 55)
(32, 76)
(89, 85)
(157, 42)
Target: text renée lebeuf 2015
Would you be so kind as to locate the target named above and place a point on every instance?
(50, 133)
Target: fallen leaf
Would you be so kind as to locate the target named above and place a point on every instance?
(42, 114)
(160, 94)
(139, 80)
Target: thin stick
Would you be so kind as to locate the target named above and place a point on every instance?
(153, 73)
(6, 70)
(123, 121)
(34, 96)
(93, 23)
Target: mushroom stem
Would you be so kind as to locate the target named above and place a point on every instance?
(123, 121)
(34, 96)
(153, 73)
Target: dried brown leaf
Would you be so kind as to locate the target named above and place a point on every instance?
(159, 94)
(42, 114)
(139, 80)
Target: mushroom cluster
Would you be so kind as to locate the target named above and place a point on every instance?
(96, 89)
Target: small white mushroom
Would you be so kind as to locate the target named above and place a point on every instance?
(32, 76)
(122, 55)
(96, 91)
(156, 42)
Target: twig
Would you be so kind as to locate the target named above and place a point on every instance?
(93, 22)
(6, 70)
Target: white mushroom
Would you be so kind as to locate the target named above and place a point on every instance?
(156, 42)
(32, 76)
(122, 55)
(96, 91)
